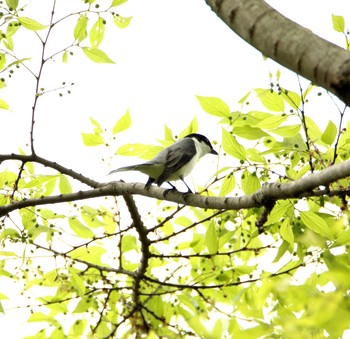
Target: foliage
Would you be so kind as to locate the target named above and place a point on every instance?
(98, 274)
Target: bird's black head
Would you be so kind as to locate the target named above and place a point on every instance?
(203, 139)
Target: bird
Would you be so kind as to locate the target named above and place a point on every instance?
(174, 162)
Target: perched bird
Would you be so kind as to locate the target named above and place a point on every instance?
(174, 162)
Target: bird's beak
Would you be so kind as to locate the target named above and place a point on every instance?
(213, 151)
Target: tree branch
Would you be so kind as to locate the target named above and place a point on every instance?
(51, 164)
(288, 43)
(304, 187)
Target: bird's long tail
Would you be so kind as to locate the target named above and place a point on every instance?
(123, 169)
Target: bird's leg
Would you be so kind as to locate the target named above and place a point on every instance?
(189, 190)
(172, 186)
(149, 182)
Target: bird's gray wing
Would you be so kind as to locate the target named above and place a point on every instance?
(178, 155)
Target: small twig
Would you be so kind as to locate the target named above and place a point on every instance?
(303, 120)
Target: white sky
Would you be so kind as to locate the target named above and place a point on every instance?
(172, 51)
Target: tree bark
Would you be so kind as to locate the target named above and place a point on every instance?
(291, 45)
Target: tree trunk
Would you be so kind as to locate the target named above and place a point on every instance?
(293, 46)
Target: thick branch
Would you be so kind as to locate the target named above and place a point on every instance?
(288, 43)
(303, 187)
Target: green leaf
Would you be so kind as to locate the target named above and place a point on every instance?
(2, 61)
(286, 231)
(77, 281)
(315, 223)
(80, 229)
(313, 130)
(89, 253)
(96, 55)
(117, 2)
(291, 265)
(329, 133)
(77, 328)
(291, 98)
(84, 304)
(38, 316)
(91, 139)
(64, 185)
(338, 23)
(9, 233)
(231, 146)
(4, 104)
(289, 131)
(12, 4)
(250, 182)
(227, 185)
(97, 32)
(122, 22)
(129, 243)
(98, 128)
(214, 106)
(12, 28)
(65, 57)
(211, 239)
(30, 24)
(281, 251)
(141, 150)
(342, 239)
(191, 128)
(123, 123)
(168, 133)
(249, 132)
(271, 100)
(272, 122)
(8, 43)
(80, 31)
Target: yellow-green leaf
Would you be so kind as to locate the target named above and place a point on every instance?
(291, 98)
(250, 182)
(227, 185)
(81, 230)
(123, 123)
(97, 32)
(96, 55)
(315, 223)
(77, 282)
(313, 130)
(80, 31)
(141, 150)
(231, 146)
(272, 122)
(30, 24)
(338, 23)
(12, 4)
(214, 106)
(191, 128)
(65, 57)
(91, 139)
(249, 132)
(4, 104)
(64, 185)
(2, 61)
(271, 100)
(211, 239)
(286, 231)
(329, 133)
(122, 22)
(287, 131)
(117, 2)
